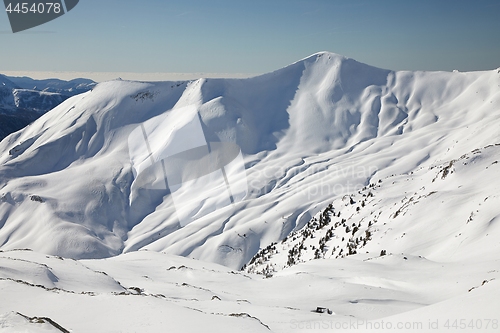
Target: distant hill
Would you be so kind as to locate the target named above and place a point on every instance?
(23, 99)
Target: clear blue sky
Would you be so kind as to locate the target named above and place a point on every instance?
(256, 36)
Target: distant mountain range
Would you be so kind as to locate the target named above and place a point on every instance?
(23, 99)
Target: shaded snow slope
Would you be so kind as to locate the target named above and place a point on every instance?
(308, 133)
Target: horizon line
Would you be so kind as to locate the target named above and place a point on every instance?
(131, 76)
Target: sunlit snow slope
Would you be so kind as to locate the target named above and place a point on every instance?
(308, 133)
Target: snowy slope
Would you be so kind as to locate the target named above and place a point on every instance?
(444, 212)
(147, 291)
(308, 133)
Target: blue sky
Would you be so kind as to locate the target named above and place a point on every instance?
(243, 36)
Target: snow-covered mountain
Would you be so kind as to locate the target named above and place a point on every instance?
(370, 192)
(23, 100)
(317, 129)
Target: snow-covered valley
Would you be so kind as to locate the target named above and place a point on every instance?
(330, 183)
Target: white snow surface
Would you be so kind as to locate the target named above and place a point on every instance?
(410, 157)
(147, 291)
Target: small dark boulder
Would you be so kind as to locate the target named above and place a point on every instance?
(36, 198)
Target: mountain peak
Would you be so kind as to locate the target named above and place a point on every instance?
(327, 54)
